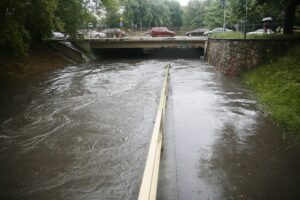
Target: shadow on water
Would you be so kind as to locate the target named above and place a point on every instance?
(249, 158)
(226, 148)
(260, 166)
(150, 53)
(79, 132)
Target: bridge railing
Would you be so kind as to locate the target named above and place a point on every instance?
(151, 171)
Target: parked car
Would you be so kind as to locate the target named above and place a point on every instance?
(217, 30)
(58, 35)
(197, 32)
(260, 32)
(161, 32)
(114, 32)
(95, 34)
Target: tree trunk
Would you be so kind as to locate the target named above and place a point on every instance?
(289, 17)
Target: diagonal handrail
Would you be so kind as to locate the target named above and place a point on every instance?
(151, 171)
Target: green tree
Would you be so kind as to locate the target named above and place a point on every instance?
(289, 8)
(161, 14)
(131, 12)
(148, 13)
(194, 14)
(73, 15)
(111, 9)
(213, 15)
(13, 35)
(24, 21)
(40, 18)
(236, 12)
(175, 13)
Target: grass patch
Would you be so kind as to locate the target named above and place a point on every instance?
(239, 35)
(227, 35)
(277, 86)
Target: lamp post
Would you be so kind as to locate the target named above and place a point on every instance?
(224, 15)
(245, 29)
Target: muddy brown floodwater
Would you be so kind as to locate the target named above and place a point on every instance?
(82, 132)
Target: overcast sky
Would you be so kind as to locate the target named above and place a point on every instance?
(183, 2)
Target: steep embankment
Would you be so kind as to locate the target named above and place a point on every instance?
(277, 86)
(40, 59)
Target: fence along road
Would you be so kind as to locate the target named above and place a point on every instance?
(151, 171)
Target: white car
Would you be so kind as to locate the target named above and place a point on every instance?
(260, 32)
(58, 35)
(95, 34)
(217, 30)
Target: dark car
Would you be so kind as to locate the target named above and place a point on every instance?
(161, 32)
(217, 30)
(196, 32)
(114, 32)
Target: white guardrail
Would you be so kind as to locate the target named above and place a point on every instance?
(151, 171)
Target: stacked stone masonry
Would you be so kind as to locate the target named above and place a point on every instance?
(231, 57)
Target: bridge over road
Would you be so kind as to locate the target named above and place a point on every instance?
(141, 42)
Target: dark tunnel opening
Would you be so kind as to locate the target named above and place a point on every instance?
(150, 53)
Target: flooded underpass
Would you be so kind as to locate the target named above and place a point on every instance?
(82, 132)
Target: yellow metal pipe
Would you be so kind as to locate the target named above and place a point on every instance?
(151, 171)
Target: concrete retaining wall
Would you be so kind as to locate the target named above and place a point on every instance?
(67, 50)
(231, 57)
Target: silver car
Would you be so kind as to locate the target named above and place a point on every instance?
(260, 32)
(58, 35)
(217, 30)
(95, 34)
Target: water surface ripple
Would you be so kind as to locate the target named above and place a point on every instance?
(224, 146)
(83, 131)
(80, 133)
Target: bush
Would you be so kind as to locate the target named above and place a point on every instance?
(14, 39)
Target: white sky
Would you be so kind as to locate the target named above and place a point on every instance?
(183, 2)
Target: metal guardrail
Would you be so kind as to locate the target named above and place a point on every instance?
(151, 171)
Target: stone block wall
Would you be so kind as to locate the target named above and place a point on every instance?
(233, 56)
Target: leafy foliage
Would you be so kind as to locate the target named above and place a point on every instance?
(13, 35)
(209, 13)
(213, 15)
(40, 18)
(194, 14)
(149, 13)
(175, 13)
(73, 16)
(112, 15)
(23, 21)
(13, 39)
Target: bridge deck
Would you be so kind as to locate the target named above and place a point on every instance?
(143, 42)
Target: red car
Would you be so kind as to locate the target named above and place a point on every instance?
(161, 32)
